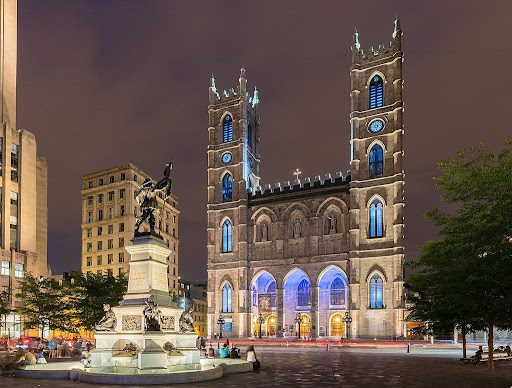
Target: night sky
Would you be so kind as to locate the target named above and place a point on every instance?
(106, 82)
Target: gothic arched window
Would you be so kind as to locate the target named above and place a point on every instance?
(271, 289)
(376, 92)
(249, 134)
(227, 129)
(337, 292)
(376, 161)
(303, 293)
(376, 292)
(227, 292)
(376, 222)
(227, 236)
(227, 188)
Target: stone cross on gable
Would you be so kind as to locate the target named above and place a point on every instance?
(297, 173)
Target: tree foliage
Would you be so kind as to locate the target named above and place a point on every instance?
(464, 278)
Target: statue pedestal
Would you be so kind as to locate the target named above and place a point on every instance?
(147, 285)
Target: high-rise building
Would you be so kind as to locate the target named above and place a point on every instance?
(303, 254)
(109, 212)
(23, 180)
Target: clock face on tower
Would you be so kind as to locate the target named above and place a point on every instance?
(376, 126)
(226, 158)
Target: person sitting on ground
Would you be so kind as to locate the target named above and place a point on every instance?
(40, 357)
(224, 352)
(234, 352)
(479, 352)
(211, 352)
(30, 358)
(250, 355)
(508, 350)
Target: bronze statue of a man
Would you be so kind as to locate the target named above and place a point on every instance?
(146, 198)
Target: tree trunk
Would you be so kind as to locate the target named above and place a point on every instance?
(463, 343)
(490, 345)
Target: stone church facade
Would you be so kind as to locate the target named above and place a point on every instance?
(302, 254)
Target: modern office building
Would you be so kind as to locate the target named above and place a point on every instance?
(109, 212)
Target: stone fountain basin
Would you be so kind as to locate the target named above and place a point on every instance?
(210, 369)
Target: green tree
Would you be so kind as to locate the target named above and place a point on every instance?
(42, 303)
(90, 292)
(472, 261)
(5, 307)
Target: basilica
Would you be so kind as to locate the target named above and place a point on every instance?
(322, 256)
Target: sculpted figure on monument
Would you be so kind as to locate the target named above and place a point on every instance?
(146, 198)
(109, 321)
(152, 315)
(186, 321)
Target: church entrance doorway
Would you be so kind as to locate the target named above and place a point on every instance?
(272, 326)
(337, 326)
(305, 325)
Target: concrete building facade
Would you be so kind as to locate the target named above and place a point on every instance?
(109, 212)
(303, 254)
(23, 181)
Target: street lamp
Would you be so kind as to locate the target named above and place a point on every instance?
(260, 321)
(348, 320)
(220, 322)
(298, 321)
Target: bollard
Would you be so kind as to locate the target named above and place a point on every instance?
(408, 348)
(327, 348)
(286, 343)
(218, 345)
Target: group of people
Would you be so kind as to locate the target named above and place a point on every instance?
(500, 349)
(22, 358)
(232, 351)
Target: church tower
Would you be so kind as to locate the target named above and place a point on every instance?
(377, 188)
(233, 168)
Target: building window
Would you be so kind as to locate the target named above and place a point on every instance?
(89, 261)
(100, 230)
(18, 270)
(173, 232)
(121, 242)
(100, 198)
(174, 271)
(110, 229)
(120, 271)
(89, 201)
(376, 161)
(121, 227)
(1, 154)
(227, 292)
(376, 92)
(14, 162)
(121, 210)
(303, 293)
(337, 292)
(14, 232)
(121, 257)
(110, 213)
(100, 245)
(110, 196)
(111, 179)
(271, 289)
(6, 268)
(100, 182)
(123, 176)
(100, 215)
(227, 129)
(89, 232)
(167, 228)
(376, 292)
(98, 260)
(110, 258)
(89, 217)
(122, 193)
(90, 184)
(89, 247)
(227, 236)
(227, 187)
(134, 177)
(376, 222)
(110, 244)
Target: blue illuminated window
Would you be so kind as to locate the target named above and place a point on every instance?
(376, 161)
(227, 292)
(227, 188)
(337, 292)
(249, 134)
(376, 292)
(376, 229)
(376, 92)
(271, 289)
(227, 237)
(303, 293)
(227, 129)
(254, 296)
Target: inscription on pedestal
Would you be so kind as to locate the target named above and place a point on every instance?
(132, 322)
(167, 323)
(160, 279)
(137, 279)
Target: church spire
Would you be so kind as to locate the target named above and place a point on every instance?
(8, 61)
(396, 43)
(397, 31)
(243, 81)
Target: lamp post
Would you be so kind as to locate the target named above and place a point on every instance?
(260, 321)
(348, 320)
(298, 321)
(220, 322)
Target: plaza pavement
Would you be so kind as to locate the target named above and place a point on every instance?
(342, 367)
